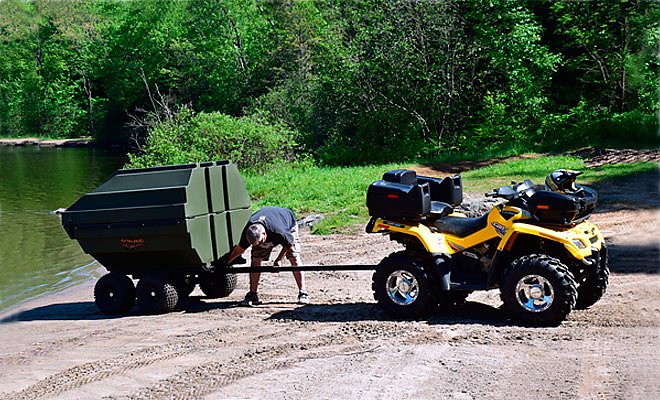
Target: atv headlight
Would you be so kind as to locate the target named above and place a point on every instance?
(579, 244)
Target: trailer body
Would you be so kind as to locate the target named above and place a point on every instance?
(164, 225)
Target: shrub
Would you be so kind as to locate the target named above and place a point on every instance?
(583, 126)
(189, 137)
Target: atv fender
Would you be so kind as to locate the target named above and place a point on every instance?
(578, 240)
(431, 241)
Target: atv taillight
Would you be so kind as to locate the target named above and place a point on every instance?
(542, 207)
(392, 196)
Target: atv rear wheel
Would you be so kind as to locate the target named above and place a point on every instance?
(538, 290)
(114, 294)
(593, 287)
(401, 287)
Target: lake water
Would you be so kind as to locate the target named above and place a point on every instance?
(36, 255)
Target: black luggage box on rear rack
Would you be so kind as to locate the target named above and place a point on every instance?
(397, 200)
(403, 194)
(398, 195)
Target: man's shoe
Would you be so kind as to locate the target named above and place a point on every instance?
(303, 298)
(251, 299)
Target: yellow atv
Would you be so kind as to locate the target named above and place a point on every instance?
(536, 246)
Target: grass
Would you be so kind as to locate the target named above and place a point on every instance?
(339, 193)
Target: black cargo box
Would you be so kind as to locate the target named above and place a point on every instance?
(447, 190)
(390, 199)
(559, 208)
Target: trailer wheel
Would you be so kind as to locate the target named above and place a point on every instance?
(215, 286)
(156, 294)
(538, 290)
(114, 294)
(401, 287)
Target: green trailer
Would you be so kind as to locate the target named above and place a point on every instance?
(166, 227)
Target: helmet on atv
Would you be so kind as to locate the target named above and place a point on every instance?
(562, 180)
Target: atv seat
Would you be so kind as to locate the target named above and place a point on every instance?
(459, 226)
(439, 210)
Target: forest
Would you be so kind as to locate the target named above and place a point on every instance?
(344, 82)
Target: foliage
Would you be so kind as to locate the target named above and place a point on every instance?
(187, 138)
(358, 81)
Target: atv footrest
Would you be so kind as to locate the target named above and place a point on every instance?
(467, 286)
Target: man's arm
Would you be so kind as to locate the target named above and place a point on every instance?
(285, 250)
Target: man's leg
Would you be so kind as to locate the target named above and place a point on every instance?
(294, 259)
(259, 253)
(297, 275)
(251, 298)
(254, 276)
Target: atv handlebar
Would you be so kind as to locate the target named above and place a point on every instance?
(516, 190)
(505, 192)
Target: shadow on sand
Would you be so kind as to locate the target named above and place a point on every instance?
(469, 313)
(87, 311)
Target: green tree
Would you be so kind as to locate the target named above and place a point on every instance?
(610, 51)
(45, 67)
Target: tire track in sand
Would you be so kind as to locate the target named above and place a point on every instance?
(95, 371)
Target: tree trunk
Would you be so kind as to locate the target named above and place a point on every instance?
(90, 112)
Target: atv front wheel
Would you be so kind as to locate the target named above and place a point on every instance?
(401, 287)
(538, 290)
(593, 287)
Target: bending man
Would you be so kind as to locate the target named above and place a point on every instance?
(267, 228)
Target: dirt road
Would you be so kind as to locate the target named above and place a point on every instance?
(343, 346)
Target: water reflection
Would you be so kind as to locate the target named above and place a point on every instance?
(36, 255)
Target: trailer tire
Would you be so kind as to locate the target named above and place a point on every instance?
(114, 294)
(218, 285)
(156, 294)
(538, 290)
(402, 287)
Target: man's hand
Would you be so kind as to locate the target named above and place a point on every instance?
(222, 261)
(239, 260)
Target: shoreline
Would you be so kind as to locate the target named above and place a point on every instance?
(81, 290)
(32, 141)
